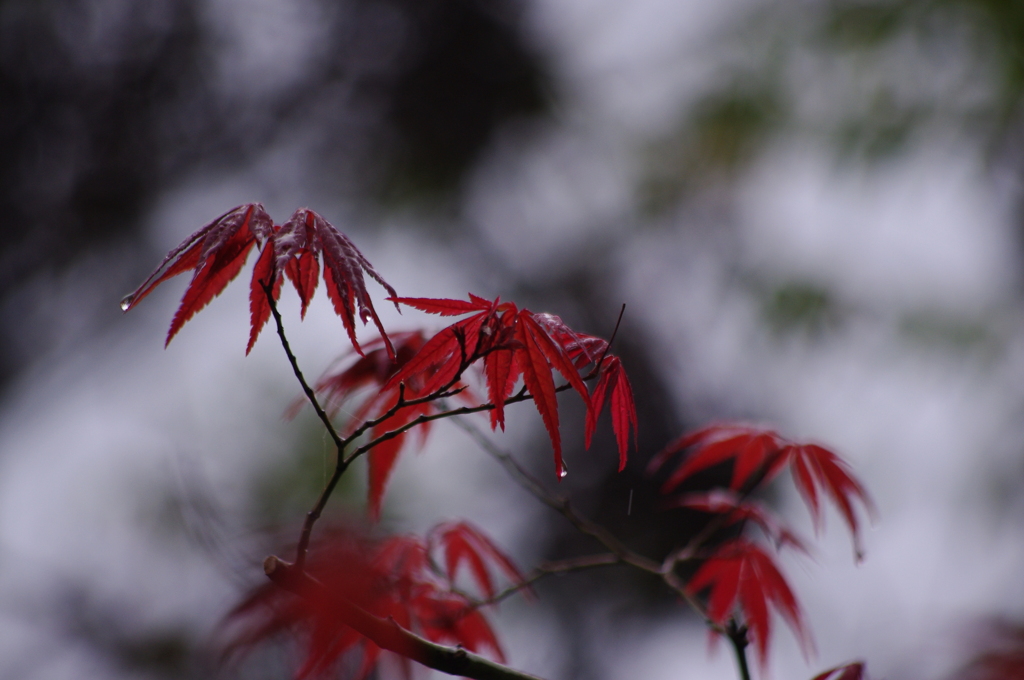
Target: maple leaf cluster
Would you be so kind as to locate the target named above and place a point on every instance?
(512, 344)
(216, 254)
(757, 456)
(405, 579)
(516, 343)
(740, 576)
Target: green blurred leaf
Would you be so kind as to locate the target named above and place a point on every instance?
(863, 24)
(799, 307)
(945, 332)
(716, 139)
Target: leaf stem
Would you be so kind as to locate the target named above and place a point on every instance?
(612, 338)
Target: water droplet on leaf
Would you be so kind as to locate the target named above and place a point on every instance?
(126, 302)
(563, 471)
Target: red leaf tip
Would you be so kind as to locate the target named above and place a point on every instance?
(850, 671)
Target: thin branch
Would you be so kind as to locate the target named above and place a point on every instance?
(738, 637)
(344, 461)
(388, 634)
(522, 395)
(559, 504)
(313, 515)
(306, 389)
(402, 402)
(339, 469)
(439, 395)
(398, 431)
(548, 569)
(612, 338)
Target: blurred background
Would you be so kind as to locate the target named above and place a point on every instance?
(812, 211)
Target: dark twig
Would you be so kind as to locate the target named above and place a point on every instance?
(615, 332)
(548, 569)
(313, 515)
(306, 389)
(339, 469)
(344, 461)
(402, 402)
(738, 637)
(447, 390)
(439, 395)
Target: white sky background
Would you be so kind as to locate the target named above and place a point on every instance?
(95, 437)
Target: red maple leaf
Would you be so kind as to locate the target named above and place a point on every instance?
(612, 378)
(462, 543)
(741, 575)
(751, 449)
(758, 456)
(516, 343)
(307, 236)
(447, 355)
(385, 454)
(215, 254)
(394, 579)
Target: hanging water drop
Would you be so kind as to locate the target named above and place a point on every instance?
(126, 302)
(563, 471)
